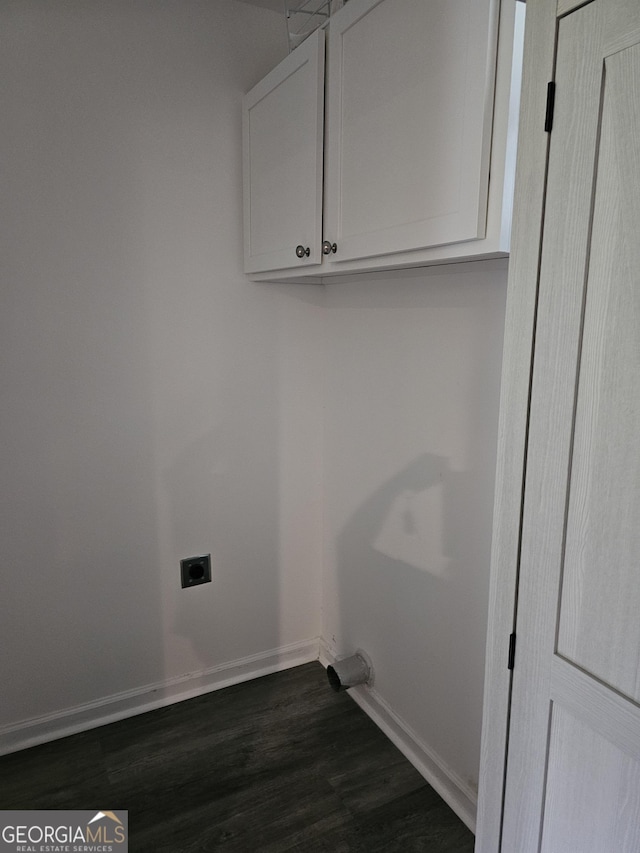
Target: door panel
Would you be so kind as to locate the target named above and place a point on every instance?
(573, 771)
(580, 815)
(599, 625)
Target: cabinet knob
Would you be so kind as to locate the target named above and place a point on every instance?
(328, 248)
(301, 252)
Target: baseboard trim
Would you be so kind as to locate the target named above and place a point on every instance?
(50, 727)
(453, 790)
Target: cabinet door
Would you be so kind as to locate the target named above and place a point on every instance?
(410, 98)
(282, 162)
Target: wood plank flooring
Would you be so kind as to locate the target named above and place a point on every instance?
(278, 764)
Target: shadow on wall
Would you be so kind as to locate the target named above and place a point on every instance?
(394, 551)
(410, 509)
(410, 597)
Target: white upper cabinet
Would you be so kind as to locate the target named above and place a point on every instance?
(409, 124)
(282, 123)
(421, 107)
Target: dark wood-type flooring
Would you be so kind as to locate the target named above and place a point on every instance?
(278, 764)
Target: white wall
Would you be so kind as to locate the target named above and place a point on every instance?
(155, 404)
(413, 371)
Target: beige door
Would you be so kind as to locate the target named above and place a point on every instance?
(573, 770)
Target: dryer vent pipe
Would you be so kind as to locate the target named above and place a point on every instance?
(349, 672)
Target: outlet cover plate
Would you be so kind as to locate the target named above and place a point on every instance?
(195, 570)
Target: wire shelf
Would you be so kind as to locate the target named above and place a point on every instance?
(304, 17)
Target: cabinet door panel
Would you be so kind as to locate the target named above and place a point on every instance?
(410, 95)
(282, 151)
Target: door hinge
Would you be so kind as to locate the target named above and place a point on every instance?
(512, 651)
(551, 100)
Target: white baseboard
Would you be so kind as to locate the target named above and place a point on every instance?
(453, 790)
(117, 707)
